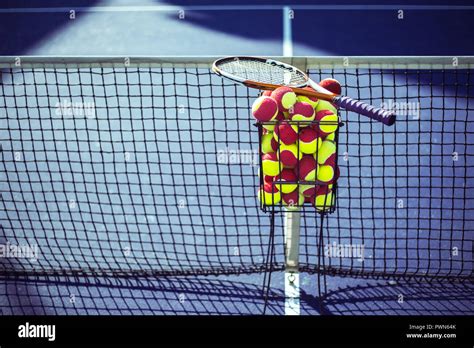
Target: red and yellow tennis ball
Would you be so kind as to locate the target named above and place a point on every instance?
(268, 179)
(285, 133)
(309, 140)
(310, 100)
(285, 98)
(331, 137)
(269, 143)
(323, 189)
(328, 173)
(311, 190)
(289, 155)
(293, 199)
(271, 127)
(302, 111)
(270, 164)
(287, 175)
(323, 198)
(269, 194)
(327, 152)
(264, 109)
(307, 168)
(325, 105)
(308, 190)
(328, 121)
(331, 85)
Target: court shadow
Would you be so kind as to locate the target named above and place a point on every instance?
(400, 298)
(135, 296)
(21, 30)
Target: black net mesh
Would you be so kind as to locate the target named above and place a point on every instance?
(153, 171)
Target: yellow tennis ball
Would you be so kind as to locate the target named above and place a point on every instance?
(325, 105)
(326, 152)
(323, 201)
(269, 144)
(308, 190)
(287, 175)
(310, 100)
(264, 109)
(269, 194)
(285, 133)
(285, 98)
(289, 155)
(270, 164)
(331, 136)
(302, 111)
(307, 168)
(326, 173)
(292, 200)
(271, 125)
(328, 121)
(309, 140)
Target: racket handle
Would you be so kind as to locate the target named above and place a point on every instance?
(378, 114)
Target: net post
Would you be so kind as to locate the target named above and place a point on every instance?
(292, 239)
(292, 242)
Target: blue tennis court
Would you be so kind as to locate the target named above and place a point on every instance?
(130, 181)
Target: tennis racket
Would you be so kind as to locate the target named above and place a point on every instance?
(269, 74)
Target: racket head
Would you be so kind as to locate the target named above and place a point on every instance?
(260, 72)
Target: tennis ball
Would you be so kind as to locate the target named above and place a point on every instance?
(271, 127)
(307, 168)
(292, 200)
(269, 194)
(325, 105)
(270, 164)
(327, 152)
(328, 121)
(323, 202)
(289, 155)
(323, 199)
(290, 176)
(311, 190)
(309, 140)
(308, 190)
(328, 174)
(302, 111)
(269, 143)
(331, 137)
(285, 133)
(268, 179)
(323, 189)
(285, 97)
(264, 109)
(267, 93)
(310, 100)
(331, 85)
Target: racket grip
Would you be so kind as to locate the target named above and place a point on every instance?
(378, 114)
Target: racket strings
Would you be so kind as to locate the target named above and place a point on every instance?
(263, 72)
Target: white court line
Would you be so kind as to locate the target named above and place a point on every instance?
(292, 293)
(161, 8)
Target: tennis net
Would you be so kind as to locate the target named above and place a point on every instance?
(149, 166)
